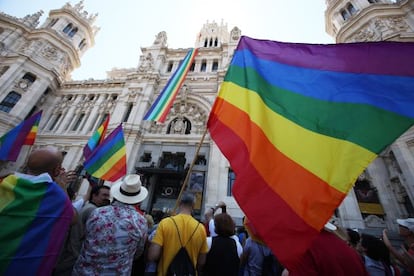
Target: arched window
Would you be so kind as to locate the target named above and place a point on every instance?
(67, 29)
(211, 42)
(10, 101)
(53, 22)
(345, 15)
(205, 42)
(73, 32)
(29, 77)
(351, 9)
(82, 44)
(216, 42)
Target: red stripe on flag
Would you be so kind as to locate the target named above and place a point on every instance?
(285, 233)
(306, 193)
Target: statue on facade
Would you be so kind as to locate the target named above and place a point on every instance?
(147, 63)
(161, 39)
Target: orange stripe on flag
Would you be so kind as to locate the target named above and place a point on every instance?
(305, 193)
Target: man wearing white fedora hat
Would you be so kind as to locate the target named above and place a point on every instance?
(115, 233)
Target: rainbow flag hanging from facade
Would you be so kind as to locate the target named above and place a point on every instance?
(159, 110)
(108, 160)
(35, 214)
(23, 134)
(299, 123)
(97, 138)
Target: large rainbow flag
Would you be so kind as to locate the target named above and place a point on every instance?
(299, 123)
(35, 214)
(23, 134)
(160, 108)
(97, 138)
(108, 160)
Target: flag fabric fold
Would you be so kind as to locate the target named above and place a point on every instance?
(97, 138)
(23, 134)
(160, 108)
(35, 214)
(108, 160)
(300, 122)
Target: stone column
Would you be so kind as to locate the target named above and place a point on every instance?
(405, 159)
(93, 115)
(68, 118)
(349, 212)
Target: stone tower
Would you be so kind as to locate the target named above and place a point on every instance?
(370, 20)
(35, 61)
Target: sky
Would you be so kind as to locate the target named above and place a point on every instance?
(128, 25)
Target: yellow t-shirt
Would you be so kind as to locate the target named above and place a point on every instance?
(167, 237)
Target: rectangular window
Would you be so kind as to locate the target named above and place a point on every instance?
(215, 66)
(128, 112)
(192, 67)
(231, 177)
(78, 122)
(203, 66)
(170, 66)
(52, 125)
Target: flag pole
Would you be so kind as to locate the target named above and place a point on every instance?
(189, 171)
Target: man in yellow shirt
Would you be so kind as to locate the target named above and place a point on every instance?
(166, 242)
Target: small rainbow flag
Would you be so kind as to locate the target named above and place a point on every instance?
(108, 160)
(97, 138)
(23, 134)
(299, 123)
(159, 110)
(35, 214)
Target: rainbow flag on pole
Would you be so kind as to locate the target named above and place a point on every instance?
(23, 134)
(35, 214)
(108, 160)
(97, 138)
(160, 108)
(299, 123)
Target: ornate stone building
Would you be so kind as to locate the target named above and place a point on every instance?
(385, 191)
(36, 62)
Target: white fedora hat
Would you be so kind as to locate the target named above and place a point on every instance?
(129, 190)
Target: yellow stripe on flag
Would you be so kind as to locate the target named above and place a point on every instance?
(330, 162)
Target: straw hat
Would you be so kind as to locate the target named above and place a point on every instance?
(129, 190)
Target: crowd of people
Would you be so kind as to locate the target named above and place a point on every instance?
(114, 237)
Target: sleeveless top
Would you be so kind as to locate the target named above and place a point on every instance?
(222, 259)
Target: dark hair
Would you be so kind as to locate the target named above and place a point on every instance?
(375, 248)
(187, 199)
(95, 190)
(353, 237)
(224, 225)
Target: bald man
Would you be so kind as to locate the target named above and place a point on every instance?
(37, 212)
(45, 160)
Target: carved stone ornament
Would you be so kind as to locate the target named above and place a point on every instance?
(235, 34)
(50, 52)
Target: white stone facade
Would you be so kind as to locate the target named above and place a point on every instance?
(391, 175)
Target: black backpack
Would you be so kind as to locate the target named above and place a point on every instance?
(271, 266)
(181, 264)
